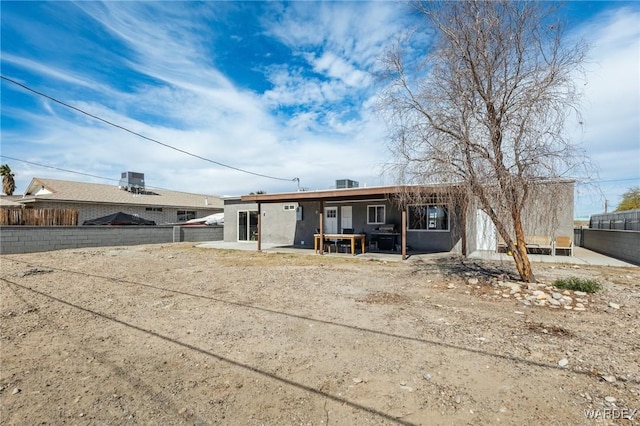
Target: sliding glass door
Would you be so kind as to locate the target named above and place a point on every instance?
(248, 225)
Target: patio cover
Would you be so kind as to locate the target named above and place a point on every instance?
(119, 218)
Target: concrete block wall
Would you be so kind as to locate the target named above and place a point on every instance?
(623, 245)
(31, 239)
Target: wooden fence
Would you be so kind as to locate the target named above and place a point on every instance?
(39, 217)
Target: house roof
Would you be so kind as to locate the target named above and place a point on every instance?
(347, 193)
(354, 194)
(63, 191)
(10, 201)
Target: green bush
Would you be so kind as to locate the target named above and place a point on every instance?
(578, 284)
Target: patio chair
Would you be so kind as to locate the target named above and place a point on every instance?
(345, 244)
(563, 243)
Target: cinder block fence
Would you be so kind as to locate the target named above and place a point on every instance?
(623, 245)
(31, 239)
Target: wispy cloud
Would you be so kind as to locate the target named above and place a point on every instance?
(156, 68)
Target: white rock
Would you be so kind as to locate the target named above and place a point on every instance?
(614, 305)
(610, 399)
(609, 379)
(556, 295)
(554, 302)
(15, 391)
(472, 281)
(563, 362)
(580, 293)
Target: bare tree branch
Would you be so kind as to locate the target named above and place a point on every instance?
(484, 106)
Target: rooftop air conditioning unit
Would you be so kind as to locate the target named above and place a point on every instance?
(346, 183)
(132, 181)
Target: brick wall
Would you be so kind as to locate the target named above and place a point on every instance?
(30, 239)
(623, 245)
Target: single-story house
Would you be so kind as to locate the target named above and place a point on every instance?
(390, 221)
(95, 200)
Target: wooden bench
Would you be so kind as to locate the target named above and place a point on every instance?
(539, 243)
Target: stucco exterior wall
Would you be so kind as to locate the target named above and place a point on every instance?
(549, 213)
(278, 224)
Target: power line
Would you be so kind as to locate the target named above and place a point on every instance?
(142, 136)
(57, 168)
(73, 171)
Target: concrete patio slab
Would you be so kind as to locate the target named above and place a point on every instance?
(581, 256)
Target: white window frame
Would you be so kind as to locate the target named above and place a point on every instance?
(376, 219)
(445, 205)
(288, 207)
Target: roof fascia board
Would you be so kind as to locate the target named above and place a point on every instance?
(343, 194)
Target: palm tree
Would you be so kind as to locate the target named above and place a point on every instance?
(8, 184)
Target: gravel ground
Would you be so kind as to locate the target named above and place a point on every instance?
(173, 334)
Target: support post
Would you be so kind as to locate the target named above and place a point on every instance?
(259, 227)
(321, 229)
(404, 233)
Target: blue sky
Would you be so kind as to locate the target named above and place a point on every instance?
(279, 89)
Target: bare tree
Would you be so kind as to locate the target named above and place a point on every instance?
(480, 97)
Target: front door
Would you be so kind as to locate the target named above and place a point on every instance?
(330, 220)
(248, 225)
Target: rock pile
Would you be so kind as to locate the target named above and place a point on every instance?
(538, 294)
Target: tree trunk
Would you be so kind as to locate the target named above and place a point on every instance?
(520, 253)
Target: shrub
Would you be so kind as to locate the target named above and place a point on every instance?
(578, 284)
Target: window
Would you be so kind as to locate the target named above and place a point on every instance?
(431, 217)
(184, 215)
(287, 207)
(375, 215)
(153, 209)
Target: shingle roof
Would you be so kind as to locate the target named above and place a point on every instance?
(10, 201)
(80, 192)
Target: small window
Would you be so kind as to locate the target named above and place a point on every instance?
(431, 217)
(184, 215)
(153, 209)
(288, 207)
(376, 214)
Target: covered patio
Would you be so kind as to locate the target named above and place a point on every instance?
(370, 219)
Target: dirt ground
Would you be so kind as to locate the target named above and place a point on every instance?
(174, 334)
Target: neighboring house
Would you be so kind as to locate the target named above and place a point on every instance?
(10, 201)
(94, 200)
(439, 224)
